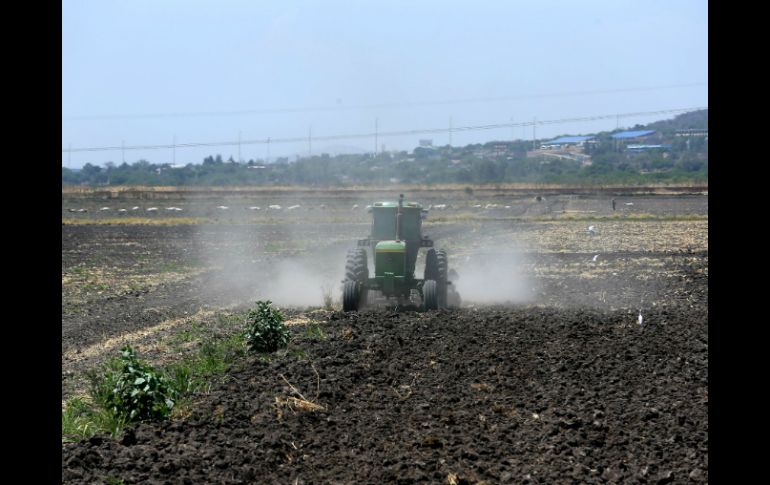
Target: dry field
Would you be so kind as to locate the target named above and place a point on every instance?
(509, 388)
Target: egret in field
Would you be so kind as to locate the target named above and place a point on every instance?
(596, 256)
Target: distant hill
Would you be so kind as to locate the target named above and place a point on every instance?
(694, 120)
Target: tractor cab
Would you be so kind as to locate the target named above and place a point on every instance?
(385, 221)
(396, 237)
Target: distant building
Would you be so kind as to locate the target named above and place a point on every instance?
(566, 142)
(635, 135)
(644, 148)
(694, 132)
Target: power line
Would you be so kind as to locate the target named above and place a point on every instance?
(381, 134)
(406, 104)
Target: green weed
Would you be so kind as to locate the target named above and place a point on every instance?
(135, 391)
(265, 330)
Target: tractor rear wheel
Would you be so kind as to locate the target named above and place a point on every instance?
(430, 295)
(356, 267)
(431, 265)
(442, 270)
(351, 296)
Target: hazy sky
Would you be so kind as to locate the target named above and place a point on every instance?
(143, 72)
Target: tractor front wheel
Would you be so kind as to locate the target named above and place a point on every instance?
(430, 295)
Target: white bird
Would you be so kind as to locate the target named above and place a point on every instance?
(477, 206)
(170, 208)
(82, 210)
(595, 257)
(104, 209)
(71, 210)
(254, 208)
(439, 207)
(275, 206)
(507, 207)
(291, 208)
(222, 207)
(629, 203)
(641, 319)
(355, 206)
(152, 209)
(121, 210)
(591, 230)
(135, 208)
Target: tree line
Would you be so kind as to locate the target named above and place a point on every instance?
(683, 158)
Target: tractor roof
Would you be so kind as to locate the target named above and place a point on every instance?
(407, 205)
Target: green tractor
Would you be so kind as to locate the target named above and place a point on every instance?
(395, 240)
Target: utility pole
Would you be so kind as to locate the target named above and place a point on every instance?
(174, 144)
(123, 150)
(239, 147)
(268, 150)
(534, 133)
(450, 131)
(309, 141)
(376, 120)
(513, 130)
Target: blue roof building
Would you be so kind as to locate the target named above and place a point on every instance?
(625, 135)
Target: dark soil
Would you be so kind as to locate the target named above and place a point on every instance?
(516, 395)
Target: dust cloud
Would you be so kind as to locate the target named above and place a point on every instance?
(248, 262)
(492, 279)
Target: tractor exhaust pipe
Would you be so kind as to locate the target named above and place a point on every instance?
(398, 216)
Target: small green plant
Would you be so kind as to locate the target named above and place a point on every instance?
(298, 354)
(327, 291)
(81, 419)
(313, 332)
(265, 330)
(133, 390)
